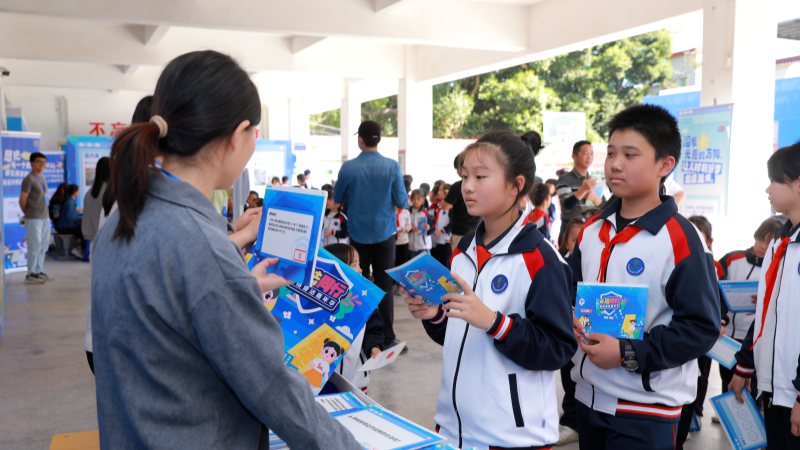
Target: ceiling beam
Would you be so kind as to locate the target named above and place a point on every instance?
(386, 5)
(78, 75)
(496, 26)
(51, 39)
(300, 43)
(153, 34)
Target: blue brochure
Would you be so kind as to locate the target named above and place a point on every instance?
(343, 401)
(316, 338)
(290, 229)
(743, 422)
(695, 424)
(426, 278)
(616, 310)
(724, 351)
(738, 295)
(378, 429)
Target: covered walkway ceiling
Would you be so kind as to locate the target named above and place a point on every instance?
(122, 45)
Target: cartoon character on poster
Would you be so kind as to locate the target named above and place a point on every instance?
(319, 368)
(448, 284)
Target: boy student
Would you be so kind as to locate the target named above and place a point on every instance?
(630, 392)
(334, 222)
(771, 347)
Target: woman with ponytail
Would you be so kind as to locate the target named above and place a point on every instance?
(186, 354)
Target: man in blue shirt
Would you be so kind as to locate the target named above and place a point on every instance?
(371, 185)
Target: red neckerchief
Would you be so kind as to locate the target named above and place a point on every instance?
(629, 232)
(771, 277)
(399, 211)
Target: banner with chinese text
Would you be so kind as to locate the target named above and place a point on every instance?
(705, 159)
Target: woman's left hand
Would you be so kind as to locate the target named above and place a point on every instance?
(468, 306)
(246, 217)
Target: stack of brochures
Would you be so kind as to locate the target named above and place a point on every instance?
(426, 278)
(373, 426)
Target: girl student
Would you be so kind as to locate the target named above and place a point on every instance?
(539, 198)
(419, 238)
(505, 337)
(745, 265)
(771, 347)
(179, 336)
(567, 240)
(369, 341)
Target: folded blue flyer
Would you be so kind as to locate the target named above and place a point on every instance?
(378, 429)
(619, 311)
(694, 426)
(320, 322)
(290, 229)
(742, 422)
(724, 351)
(426, 278)
(739, 295)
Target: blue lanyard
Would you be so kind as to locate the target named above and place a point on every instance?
(170, 175)
(40, 182)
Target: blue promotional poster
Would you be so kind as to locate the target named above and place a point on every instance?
(291, 225)
(739, 295)
(270, 159)
(426, 278)
(724, 351)
(315, 337)
(742, 422)
(617, 311)
(705, 159)
(83, 152)
(56, 171)
(17, 149)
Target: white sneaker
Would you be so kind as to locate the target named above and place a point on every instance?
(688, 436)
(566, 435)
(77, 253)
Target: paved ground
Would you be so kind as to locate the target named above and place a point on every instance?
(46, 387)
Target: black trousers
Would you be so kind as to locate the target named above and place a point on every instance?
(380, 256)
(90, 358)
(704, 364)
(570, 417)
(442, 253)
(778, 425)
(600, 431)
(401, 256)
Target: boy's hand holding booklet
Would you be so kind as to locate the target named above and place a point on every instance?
(618, 311)
(426, 278)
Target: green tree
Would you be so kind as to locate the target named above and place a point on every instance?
(326, 123)
(383, 111)
(452, 105)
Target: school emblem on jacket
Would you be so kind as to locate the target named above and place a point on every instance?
(635, 267)
(499, 284)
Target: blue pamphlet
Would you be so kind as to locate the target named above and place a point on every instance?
(739, 295)
(421, 222)
(743, 422)
(343, 401)
(694, 425)
(619, 311)
(378, 429)
(315, 337)
(290, 229)
(724, 351)
(426, 278)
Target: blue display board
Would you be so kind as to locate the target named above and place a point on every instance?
(2, 270)
(705, 159)
(271, 159)
(83, 152)
(56, 171)
(17, 149)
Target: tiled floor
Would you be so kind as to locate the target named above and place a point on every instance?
(46, 386)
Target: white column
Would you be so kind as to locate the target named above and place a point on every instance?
(350, 120)
(299, 120)
(414, 117)
(277, 125)
(739, 68)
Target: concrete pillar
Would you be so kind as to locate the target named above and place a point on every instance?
(277, 125)
(414, 116)
(350, 120)
(739, 68)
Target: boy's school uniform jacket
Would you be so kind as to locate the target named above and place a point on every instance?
(336, 221)
(498, 386)
(420, 241)
(683, 311)
(775, 356)
(740, 266)
(441, 222)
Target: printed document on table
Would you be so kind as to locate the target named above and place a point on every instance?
(377, 429)
(339, 402)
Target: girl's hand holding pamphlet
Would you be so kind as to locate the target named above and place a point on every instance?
(468, 306)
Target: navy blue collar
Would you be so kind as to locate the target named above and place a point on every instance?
(788, 230)
(653, 220)
(482, 230)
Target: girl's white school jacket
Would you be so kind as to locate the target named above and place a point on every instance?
(420, 240)
(777, 352)
(498, 386)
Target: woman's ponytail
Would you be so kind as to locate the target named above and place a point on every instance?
(132, 154)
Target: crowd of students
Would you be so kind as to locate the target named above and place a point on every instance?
(177, 327)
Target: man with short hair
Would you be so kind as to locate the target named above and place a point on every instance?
(371, 185)
(575, 188)
(33, 201)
